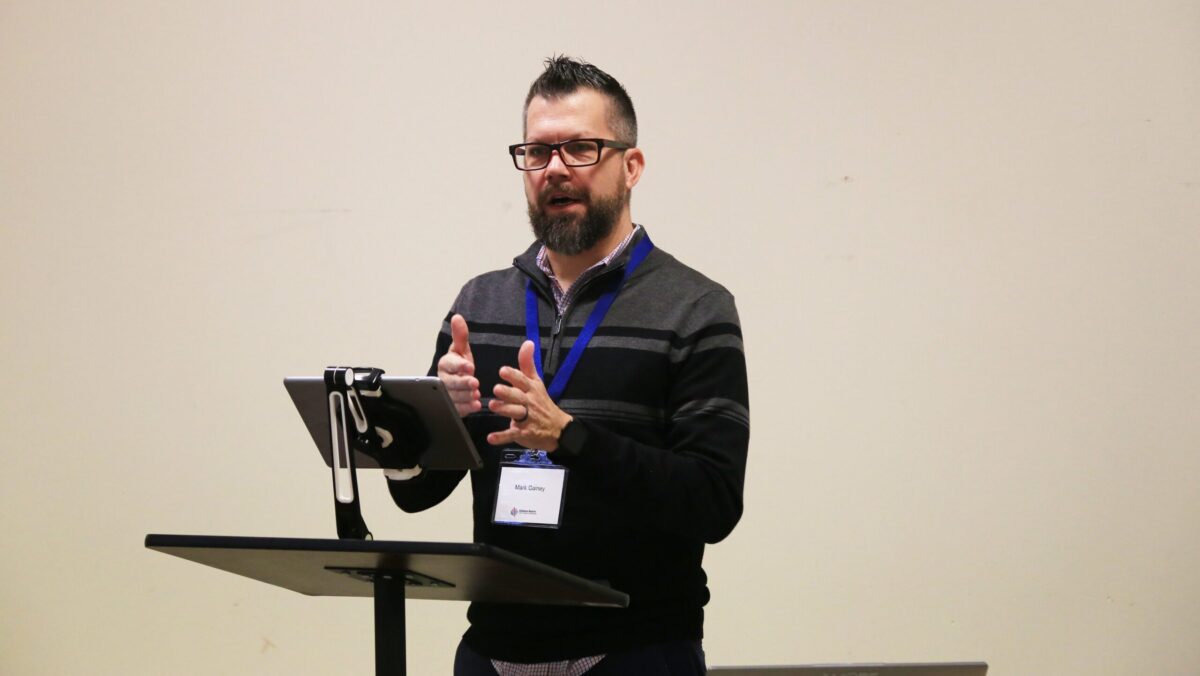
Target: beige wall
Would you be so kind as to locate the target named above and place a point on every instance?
(963, 237)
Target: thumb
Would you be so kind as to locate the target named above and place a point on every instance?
(525, 360)
(458, 336)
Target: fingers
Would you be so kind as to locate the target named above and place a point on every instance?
(534, 420)
(503, 437)
(534, 416)
(459, 383)
(465, 398)
(518, 380)
(511, 402)
(459, 342)
(518, 412)
(456, 370)
(453, 363)
(510, 395)
(468, 408)
(525, 360)
(462, 389)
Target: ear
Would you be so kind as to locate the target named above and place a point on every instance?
(635, 163)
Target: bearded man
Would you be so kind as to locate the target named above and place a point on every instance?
(606, 360)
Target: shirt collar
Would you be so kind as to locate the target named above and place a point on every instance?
(563, 297)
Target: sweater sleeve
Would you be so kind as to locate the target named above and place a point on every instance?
(693, 486)
(430, 487)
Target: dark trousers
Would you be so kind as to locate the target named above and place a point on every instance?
(678, 658)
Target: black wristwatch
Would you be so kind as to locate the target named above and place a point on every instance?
(572, 438)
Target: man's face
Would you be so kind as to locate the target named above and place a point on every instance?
(573, 208)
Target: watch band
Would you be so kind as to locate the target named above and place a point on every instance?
(572, 438)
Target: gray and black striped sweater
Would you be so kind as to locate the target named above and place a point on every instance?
(661, 392)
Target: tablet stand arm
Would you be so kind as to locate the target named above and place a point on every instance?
(345, 413)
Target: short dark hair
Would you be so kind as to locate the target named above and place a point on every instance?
(564, 75)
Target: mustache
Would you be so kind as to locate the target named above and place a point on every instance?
(561, 191)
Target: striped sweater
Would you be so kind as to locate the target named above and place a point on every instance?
(661, 393)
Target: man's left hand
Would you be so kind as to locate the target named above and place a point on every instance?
(536, 421)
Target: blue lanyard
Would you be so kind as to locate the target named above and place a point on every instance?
(589, 329)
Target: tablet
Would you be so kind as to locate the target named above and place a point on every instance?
(450, 447)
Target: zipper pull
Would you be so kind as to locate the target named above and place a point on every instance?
(557, 326)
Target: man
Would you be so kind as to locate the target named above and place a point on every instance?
(635, 389)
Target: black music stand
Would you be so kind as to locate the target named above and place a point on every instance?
(391, 572)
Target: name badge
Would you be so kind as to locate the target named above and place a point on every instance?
(530, 495)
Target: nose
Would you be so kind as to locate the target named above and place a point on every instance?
(555, 167)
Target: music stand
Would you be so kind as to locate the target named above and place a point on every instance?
(390, 572)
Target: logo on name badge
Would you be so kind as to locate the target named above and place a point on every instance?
(514, 511)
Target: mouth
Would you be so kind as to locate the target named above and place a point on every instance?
(561, 200)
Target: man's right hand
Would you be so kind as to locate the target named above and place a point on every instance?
(456, 369)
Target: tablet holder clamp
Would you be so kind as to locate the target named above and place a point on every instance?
(363, 418)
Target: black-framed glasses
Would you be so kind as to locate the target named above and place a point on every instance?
(580, 152)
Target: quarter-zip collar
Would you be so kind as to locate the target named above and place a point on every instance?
(549, 360)
(526, 262)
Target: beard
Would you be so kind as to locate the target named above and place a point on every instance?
(571, 234)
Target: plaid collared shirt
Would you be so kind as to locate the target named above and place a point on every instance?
(563, 668)
(563, 298)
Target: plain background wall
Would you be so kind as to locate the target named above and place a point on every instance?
(963, 237)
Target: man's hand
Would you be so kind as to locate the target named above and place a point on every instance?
(537, 421)
(456, 369)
